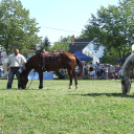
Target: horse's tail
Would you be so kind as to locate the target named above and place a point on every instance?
(79, 63)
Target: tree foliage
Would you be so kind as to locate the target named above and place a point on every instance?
(109, 56)
(62, 44)
(113, 27)
(17, 29)
(45, 44)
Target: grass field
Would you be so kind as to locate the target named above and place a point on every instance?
(97, 107)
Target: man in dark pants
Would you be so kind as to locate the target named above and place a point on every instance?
(15, 61)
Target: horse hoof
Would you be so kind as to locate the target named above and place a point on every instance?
(40, 87)
(69, 87)
(76, 87)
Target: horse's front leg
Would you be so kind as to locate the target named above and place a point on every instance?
(41, 79)
(71, 78)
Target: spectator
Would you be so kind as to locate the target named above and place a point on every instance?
(106, 71)
(102, 71)
(110, 72)
(97, 70)
(76, 70)
(91, 71)
(87, 71)
(120, 72)
(1, 71)
(83, 75)
(66, 74)
(116, 71)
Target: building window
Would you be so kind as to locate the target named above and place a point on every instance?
(95, 47)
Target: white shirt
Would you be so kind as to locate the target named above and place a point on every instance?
(76, 68)
(16, 61)
(106, 69)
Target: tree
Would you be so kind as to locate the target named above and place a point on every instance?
(63, 44)
(113, 28)
(45, 44)
(16, 27)
(109, 56)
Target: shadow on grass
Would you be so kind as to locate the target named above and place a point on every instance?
(27, 89)
(13, 89)
(106, 94)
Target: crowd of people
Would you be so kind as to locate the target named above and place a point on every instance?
(101, 71)
(97, 71)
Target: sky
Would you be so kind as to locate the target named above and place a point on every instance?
(63, 17)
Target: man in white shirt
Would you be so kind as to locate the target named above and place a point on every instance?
(14, 63)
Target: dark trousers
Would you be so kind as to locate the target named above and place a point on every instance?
(12, 72)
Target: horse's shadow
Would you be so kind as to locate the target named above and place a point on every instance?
(28, 89)
(106, 94)
(13, 89)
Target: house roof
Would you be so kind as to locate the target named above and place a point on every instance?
(78, 45)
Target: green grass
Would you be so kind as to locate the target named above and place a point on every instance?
(97, 107)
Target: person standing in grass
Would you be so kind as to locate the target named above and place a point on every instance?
(14, 63)
(106, 71)
(116, 71)
(83, 75)
(91, 71)
(87, 71)
(110, 72)
(97, 70)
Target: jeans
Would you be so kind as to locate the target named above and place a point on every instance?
(12, 72)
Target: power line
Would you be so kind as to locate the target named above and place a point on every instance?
(71, 42)
(58, 29)
(61, 29)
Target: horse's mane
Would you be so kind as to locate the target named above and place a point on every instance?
(26, 65)
(29, 60)
(128, 65)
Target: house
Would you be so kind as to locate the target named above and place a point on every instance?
(87, 47)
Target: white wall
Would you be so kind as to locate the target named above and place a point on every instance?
(96, 54)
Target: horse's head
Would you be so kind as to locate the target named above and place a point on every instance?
(126, 85)
(23, 79)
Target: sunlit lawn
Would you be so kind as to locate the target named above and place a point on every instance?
(97, 107)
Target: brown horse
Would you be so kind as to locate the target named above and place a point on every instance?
(51, 62)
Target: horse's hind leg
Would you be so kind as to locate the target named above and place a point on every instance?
(71, 78)
(75, 79)
(41, 80)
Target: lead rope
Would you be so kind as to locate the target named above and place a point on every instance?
(31, 81)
